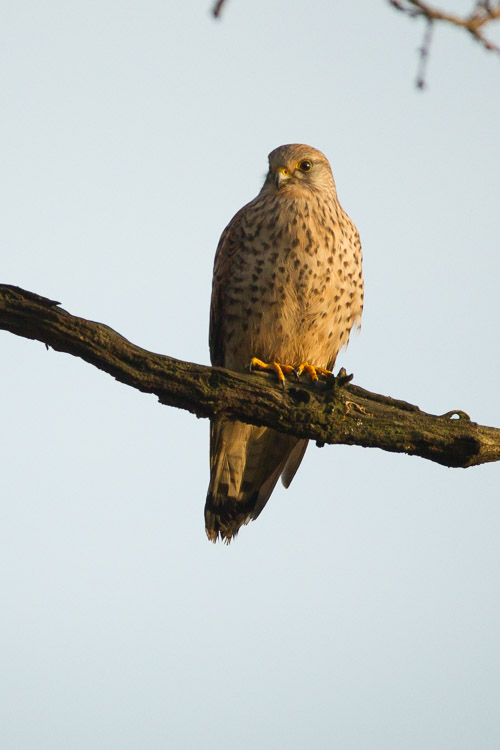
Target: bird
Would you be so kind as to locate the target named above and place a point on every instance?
(287, 290)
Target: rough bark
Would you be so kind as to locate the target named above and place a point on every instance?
(328, 413)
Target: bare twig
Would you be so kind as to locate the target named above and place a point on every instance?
(217, 9)
(343, 414)
(424, 55)
(475, 23)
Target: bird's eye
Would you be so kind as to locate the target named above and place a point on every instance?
(305, 165)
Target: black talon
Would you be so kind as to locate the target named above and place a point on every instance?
(343, 378)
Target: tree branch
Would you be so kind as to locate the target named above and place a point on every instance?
(483, 13)
(328, 414)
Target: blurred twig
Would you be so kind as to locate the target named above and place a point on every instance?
(217, 9)
(483, 13)
(424, 52)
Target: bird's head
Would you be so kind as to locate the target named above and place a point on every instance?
(296, 166)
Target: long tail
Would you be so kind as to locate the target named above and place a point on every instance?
(245, 464)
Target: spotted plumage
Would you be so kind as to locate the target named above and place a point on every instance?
(287, 288)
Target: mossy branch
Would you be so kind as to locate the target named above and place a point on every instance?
(335, 414)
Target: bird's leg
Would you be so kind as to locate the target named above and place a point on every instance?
(279, 369)
(311, 371)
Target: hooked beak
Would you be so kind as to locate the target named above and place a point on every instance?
(282, 176)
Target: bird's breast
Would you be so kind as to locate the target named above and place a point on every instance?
(285, 291)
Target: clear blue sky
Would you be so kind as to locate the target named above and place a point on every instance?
(362, 609)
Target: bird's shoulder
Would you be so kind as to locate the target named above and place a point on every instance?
(236, 232)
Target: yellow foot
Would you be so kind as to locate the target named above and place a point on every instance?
(311, 371)
(282, 370)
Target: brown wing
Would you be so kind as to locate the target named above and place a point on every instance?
(352, 281)
(224, 256)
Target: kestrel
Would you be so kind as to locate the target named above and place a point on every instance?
(287, 290)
